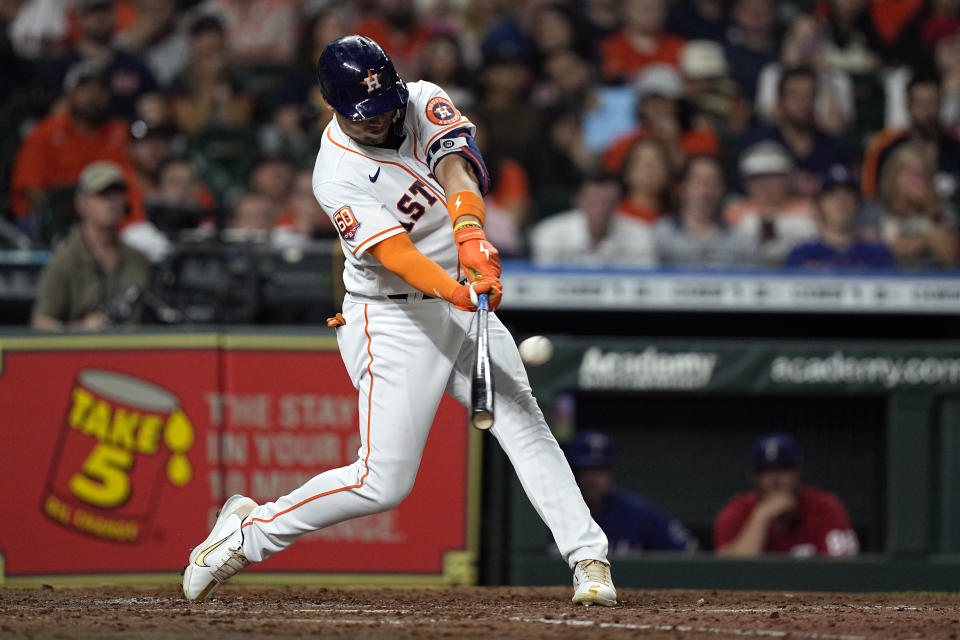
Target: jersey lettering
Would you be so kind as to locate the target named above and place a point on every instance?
(419, 189)
(409, 206)
(406, 204)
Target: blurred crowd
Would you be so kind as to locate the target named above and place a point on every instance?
(815, 134)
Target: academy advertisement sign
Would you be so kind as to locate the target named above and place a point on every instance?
(648, 369)
(117, 454)
(844, 369)
(737, 365)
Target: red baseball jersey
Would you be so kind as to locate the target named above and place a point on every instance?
(821, 525)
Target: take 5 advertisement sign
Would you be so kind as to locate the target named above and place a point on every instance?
(118, 451)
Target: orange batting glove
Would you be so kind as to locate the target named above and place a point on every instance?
(476, 254)
(465, 296)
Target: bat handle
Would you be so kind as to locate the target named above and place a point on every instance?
(483, 302)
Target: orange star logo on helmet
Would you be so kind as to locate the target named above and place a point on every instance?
(372, 81)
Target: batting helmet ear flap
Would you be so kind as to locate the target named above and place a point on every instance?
(358, 79)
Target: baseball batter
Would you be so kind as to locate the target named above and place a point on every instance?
(401, 176)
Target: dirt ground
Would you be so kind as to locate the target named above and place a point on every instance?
(469, 612)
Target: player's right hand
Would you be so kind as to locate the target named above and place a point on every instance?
(465, 296)
(476, 254)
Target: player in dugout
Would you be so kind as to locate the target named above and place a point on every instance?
(400, 175)
(631, 523)
(780, 515)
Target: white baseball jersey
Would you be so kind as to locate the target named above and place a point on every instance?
(372, 193)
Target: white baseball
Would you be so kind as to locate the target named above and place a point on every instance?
(536, 350)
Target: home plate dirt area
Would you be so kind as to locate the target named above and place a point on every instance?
(469, 612)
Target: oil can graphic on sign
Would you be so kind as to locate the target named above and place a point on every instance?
(122, 441)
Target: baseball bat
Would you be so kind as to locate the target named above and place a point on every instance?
(481, 393)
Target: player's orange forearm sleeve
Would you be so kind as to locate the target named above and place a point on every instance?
(399, 255)
(466, 203)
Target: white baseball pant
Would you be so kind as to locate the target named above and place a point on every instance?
(401, 357)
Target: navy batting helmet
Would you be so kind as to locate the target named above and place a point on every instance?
(358, 80)
(590, 449)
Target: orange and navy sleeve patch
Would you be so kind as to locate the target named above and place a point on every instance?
(346, 223)
(441, 111)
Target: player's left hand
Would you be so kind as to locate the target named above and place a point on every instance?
(465, 296)
(477, 255)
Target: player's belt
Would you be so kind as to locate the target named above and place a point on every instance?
(410, 297)
(406, 297)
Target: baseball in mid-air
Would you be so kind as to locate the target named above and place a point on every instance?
(536, 350)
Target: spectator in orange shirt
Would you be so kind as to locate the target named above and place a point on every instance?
(647, 177)
(60, 146)
(641, 41)
(659, 90)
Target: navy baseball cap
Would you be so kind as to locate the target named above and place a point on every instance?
(775, 451)
(838, 175)
(590, 449)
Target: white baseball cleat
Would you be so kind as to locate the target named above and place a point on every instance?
(592, 584)
(220, 556)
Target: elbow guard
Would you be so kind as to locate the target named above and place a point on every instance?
(461, 143)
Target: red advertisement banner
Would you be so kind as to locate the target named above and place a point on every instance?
(116, 457)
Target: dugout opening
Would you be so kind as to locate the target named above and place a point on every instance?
(689, 453)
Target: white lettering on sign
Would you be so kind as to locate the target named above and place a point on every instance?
(379, 527)
(649, 369)
(240, 410)
(289, 450)
(314, 411)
